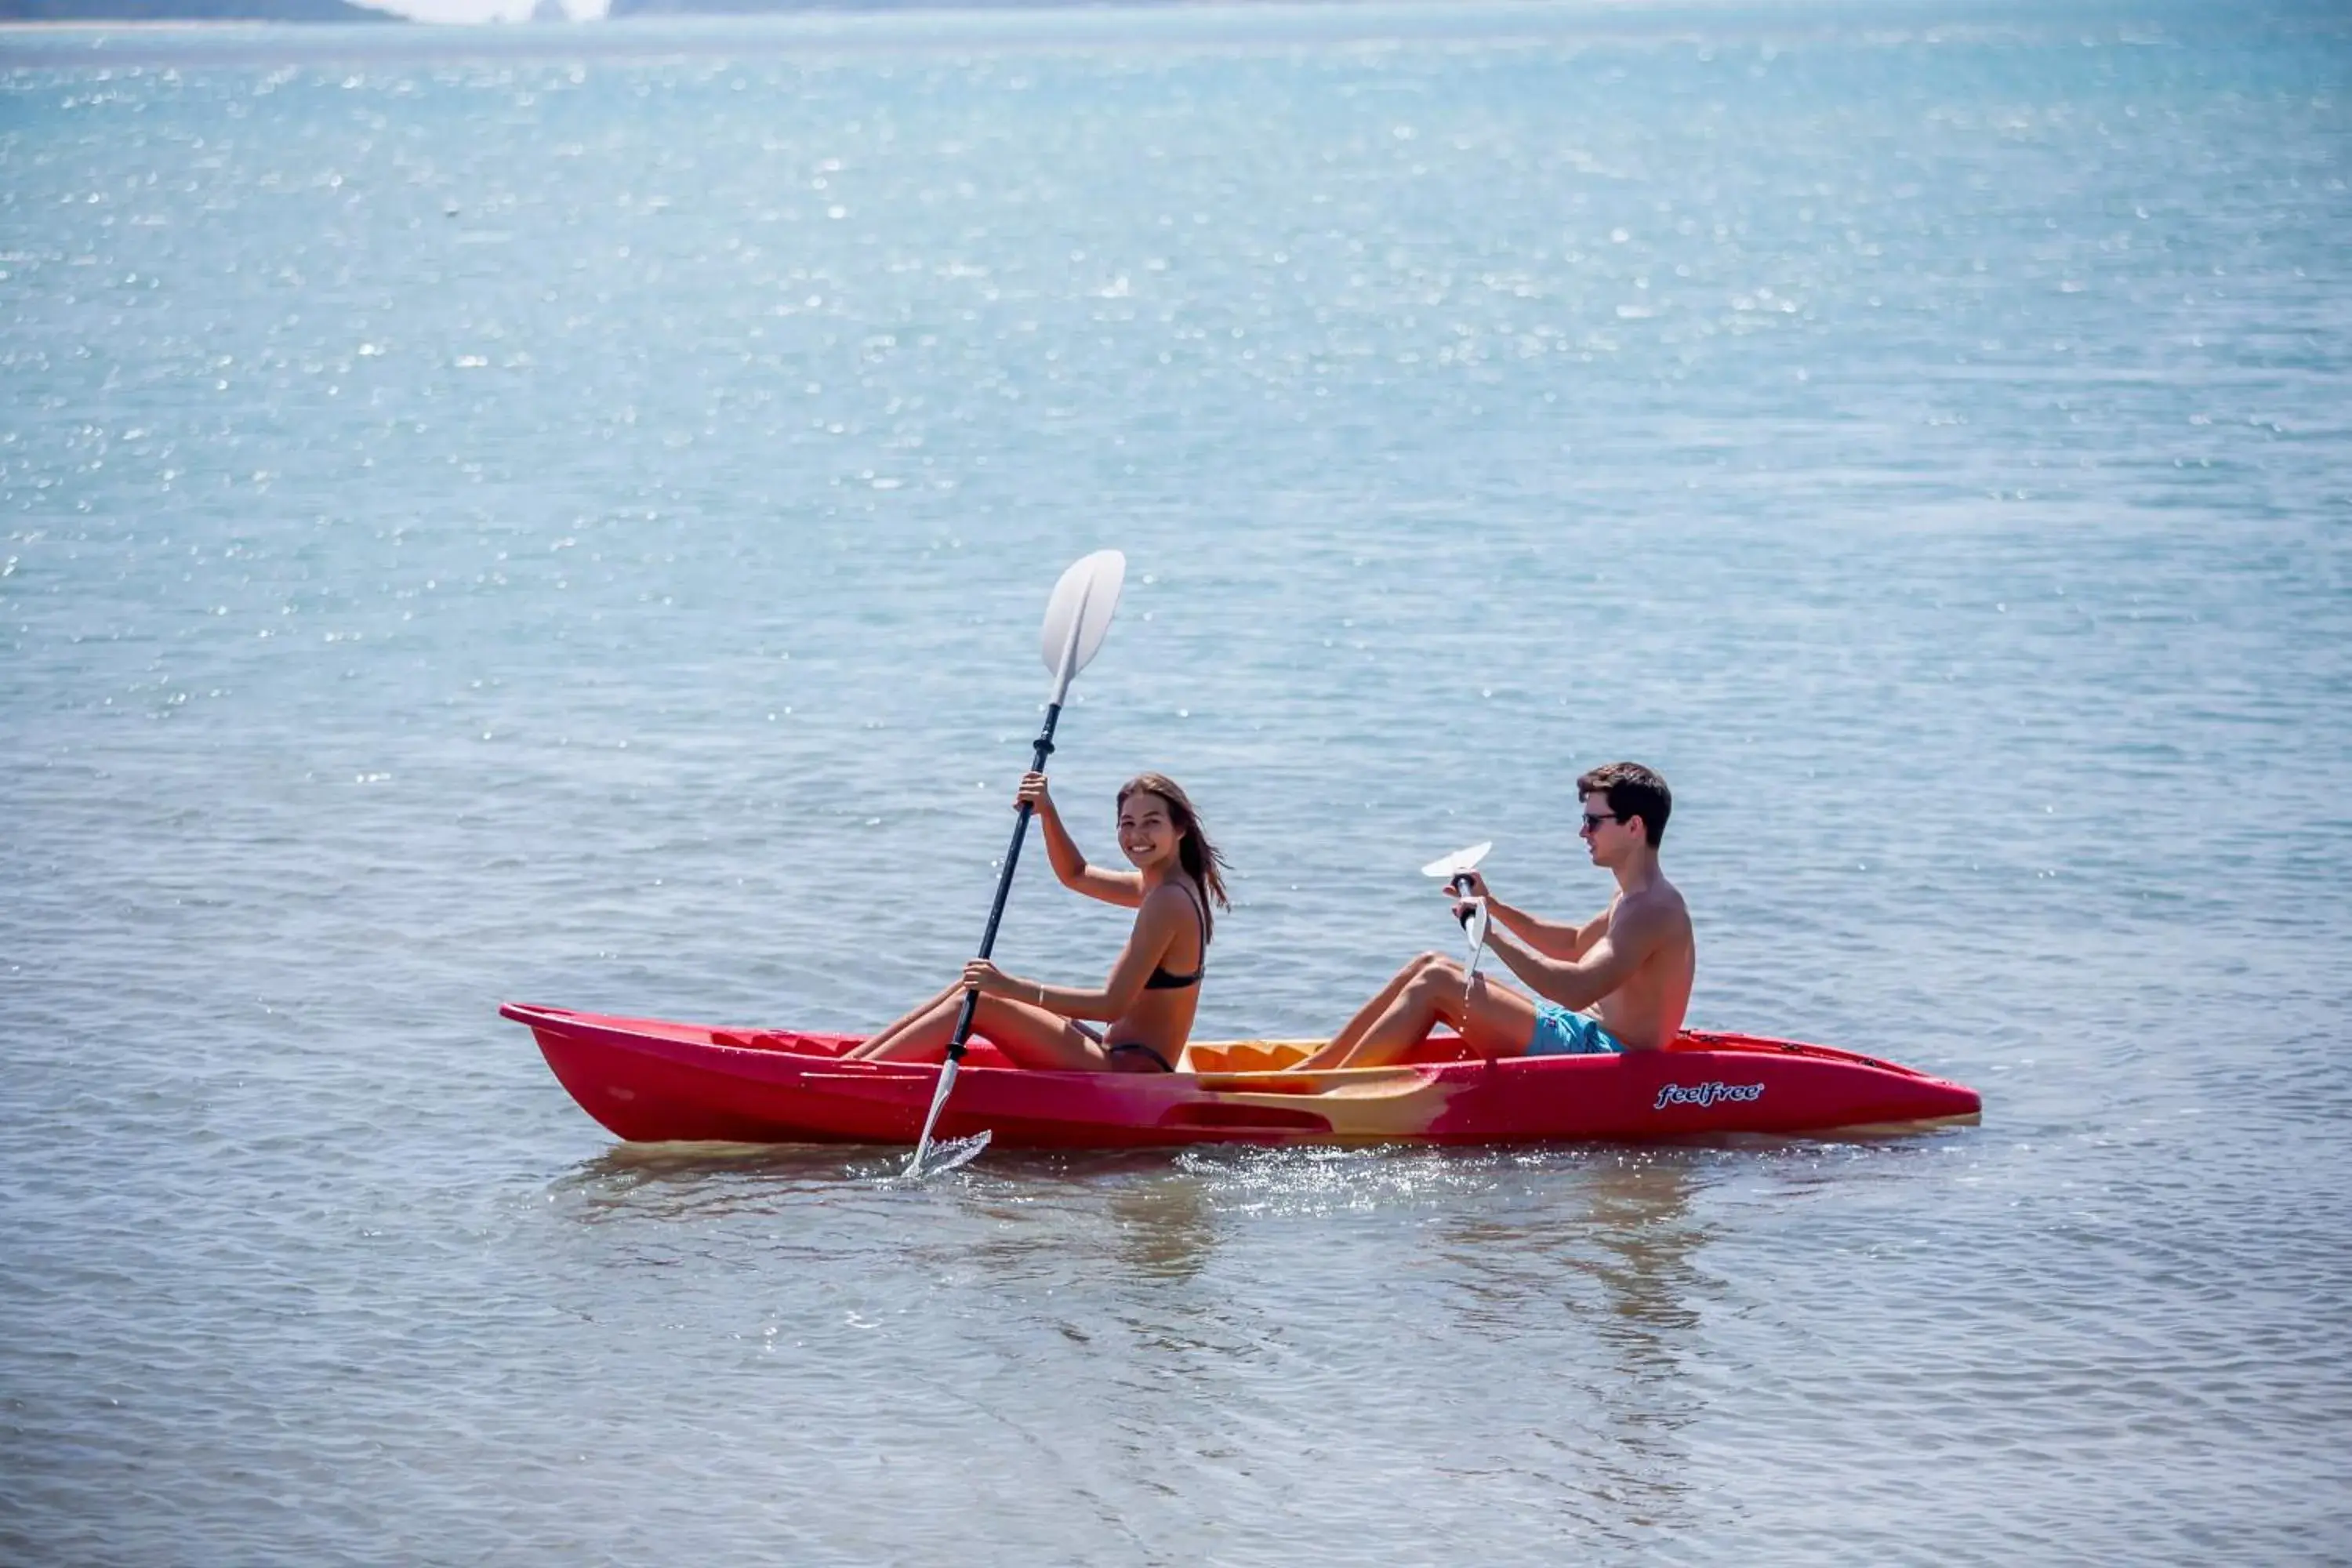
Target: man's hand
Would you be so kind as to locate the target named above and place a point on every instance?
(1467, 888)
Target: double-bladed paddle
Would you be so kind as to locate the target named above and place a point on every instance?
(1076, 622)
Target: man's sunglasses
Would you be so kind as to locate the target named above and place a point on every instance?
(1592, 822)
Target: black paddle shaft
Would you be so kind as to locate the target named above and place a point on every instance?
(1004, 885)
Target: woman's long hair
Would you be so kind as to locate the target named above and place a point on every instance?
(1200, 860)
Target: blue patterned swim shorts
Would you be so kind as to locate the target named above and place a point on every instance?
(1560, 1033)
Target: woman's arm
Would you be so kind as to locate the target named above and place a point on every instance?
(1156, 928)
(1123, 888)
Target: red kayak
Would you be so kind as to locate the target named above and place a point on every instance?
(652, 1081)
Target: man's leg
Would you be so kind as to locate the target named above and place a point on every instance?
(1342, 1043)
(1497, 1021)
(1493, 1020)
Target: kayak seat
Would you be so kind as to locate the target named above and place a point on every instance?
(1244, 1055)
(1273, 1056)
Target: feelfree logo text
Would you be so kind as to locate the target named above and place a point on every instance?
(1705, 1094)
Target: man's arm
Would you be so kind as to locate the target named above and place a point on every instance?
(1610, 959)
(1552, 939)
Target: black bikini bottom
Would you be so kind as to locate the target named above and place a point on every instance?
(1138, 1046)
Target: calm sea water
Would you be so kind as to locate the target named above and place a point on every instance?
(565, 515)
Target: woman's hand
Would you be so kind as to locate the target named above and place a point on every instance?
(984, 977)
(981, 975)
(1033, 794)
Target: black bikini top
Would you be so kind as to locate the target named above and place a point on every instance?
(1161, 979)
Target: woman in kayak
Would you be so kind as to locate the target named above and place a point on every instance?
(1153, 990)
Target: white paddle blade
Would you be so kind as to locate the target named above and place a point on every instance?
(1461, 860)
(954, 1153)
(939, 1099)
(1079, 615)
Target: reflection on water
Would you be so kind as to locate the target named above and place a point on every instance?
(1163, 1225)
(1598, 1247)
(683, 1181)
(1624, 1222)
(1640, 1218)
(1204, 1314)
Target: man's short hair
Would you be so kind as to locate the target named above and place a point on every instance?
(1633, 791)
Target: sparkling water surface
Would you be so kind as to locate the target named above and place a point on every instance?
(564, 516)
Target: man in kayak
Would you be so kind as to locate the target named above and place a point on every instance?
(1619, 982)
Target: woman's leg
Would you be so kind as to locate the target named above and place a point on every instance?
(1029, 1037)
(1032, 1038)
(878, 1043)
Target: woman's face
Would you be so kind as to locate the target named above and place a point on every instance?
(1147, 830)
